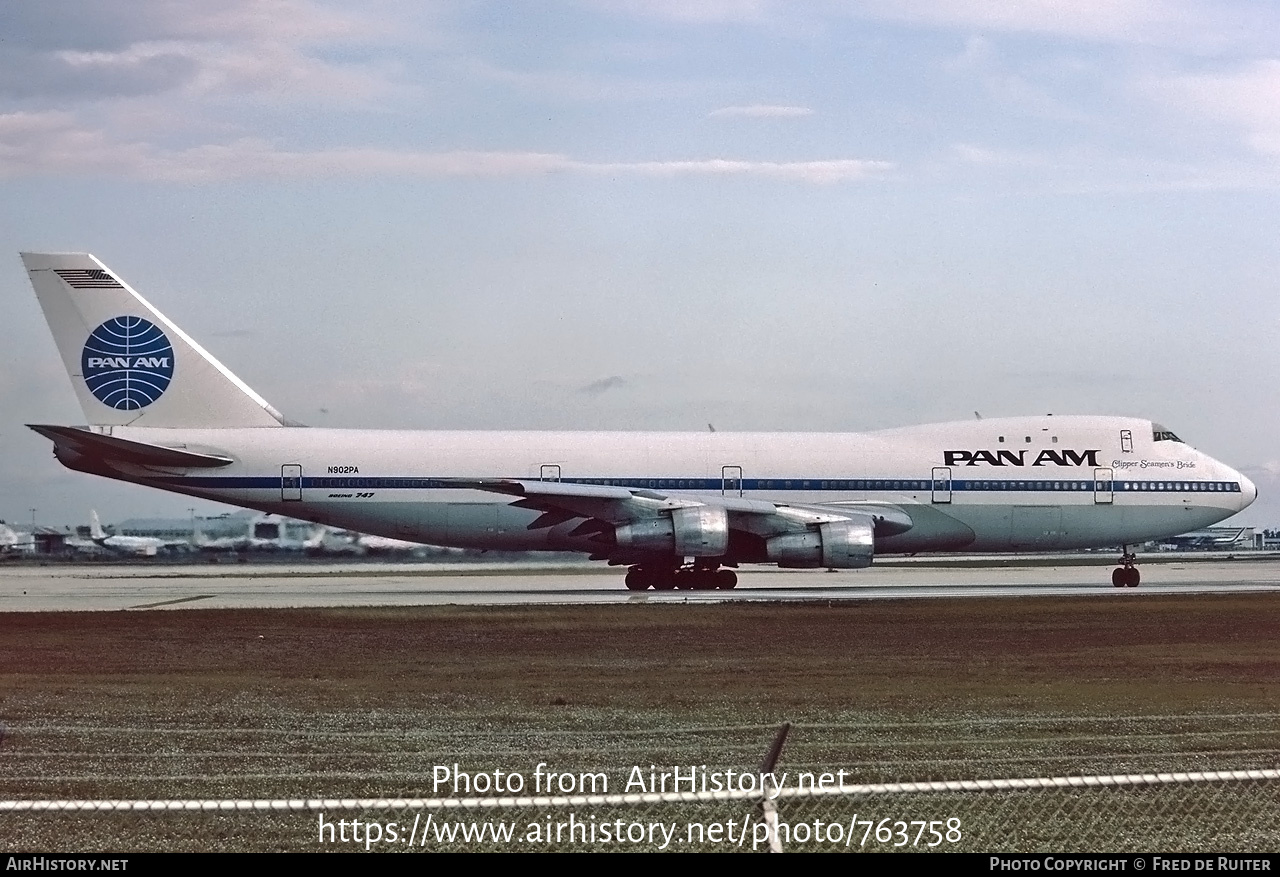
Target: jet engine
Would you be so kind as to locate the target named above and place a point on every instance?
(836, 545)
(697, 531)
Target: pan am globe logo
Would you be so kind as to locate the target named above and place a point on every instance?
(127, 363)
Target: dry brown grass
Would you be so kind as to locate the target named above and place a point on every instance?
(756, 662)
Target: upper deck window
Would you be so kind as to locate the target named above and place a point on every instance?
(1163, 434)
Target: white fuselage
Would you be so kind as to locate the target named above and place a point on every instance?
(139, 545)
(1008, 484)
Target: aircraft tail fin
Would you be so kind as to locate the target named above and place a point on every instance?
(96, 533)
(129, 365)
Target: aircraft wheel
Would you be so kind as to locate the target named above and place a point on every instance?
(726, 579)
(1118, 577)
(664, 581)
(704, 579)
(638, 579)
(1132, 577)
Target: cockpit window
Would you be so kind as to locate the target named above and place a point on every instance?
(1162, 434)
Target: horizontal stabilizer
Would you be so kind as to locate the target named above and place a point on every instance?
(110, 449)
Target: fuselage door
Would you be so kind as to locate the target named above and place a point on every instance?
(550, 472)
(291, 482)
(731, 481)
(1103, 486)
(942, 484)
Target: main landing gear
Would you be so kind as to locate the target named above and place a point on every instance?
(684, 578)
(1126, 575)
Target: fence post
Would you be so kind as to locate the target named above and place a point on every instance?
(769, 808)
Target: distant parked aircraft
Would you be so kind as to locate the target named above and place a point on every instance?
(145, 546)
(8, 539)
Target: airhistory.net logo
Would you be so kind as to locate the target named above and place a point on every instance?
(127, 363)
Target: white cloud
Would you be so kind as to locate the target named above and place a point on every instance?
(237, 47)
(1034, 89)
(52, 143)
(193, 70)
(1141, 22)
(1247, 99)
(995, 157)
(578, 85)
(1172, 23)
(698, 12)
(1112, 19)
(820, 172)
(282, 70)
(86, 24)
(761, 111)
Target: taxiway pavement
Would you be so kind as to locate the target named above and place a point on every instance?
(144, 587)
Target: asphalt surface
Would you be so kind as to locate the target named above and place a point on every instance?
(111, 587)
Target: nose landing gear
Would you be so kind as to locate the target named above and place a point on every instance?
(1126, 575)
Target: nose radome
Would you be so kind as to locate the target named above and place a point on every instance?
(1248, 492)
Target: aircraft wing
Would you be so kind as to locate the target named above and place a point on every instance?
(607, 505)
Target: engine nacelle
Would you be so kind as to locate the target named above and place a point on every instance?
(699, 531)
(837, 545)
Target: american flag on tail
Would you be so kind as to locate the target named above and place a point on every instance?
(88, 278)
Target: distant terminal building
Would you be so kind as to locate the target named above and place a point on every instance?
(49, 540)
(236, 530)
(159, 528)
(219, 526)
(33, 540)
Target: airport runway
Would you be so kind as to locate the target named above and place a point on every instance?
(141, 587)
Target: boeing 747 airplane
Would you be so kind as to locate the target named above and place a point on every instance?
(681, 510)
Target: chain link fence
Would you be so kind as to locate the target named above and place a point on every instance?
(827, 787)
(1228, 811)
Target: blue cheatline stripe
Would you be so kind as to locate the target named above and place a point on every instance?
(714, 485)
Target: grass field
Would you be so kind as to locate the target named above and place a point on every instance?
(330, 703)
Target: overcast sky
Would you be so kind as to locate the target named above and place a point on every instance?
(651, 214)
